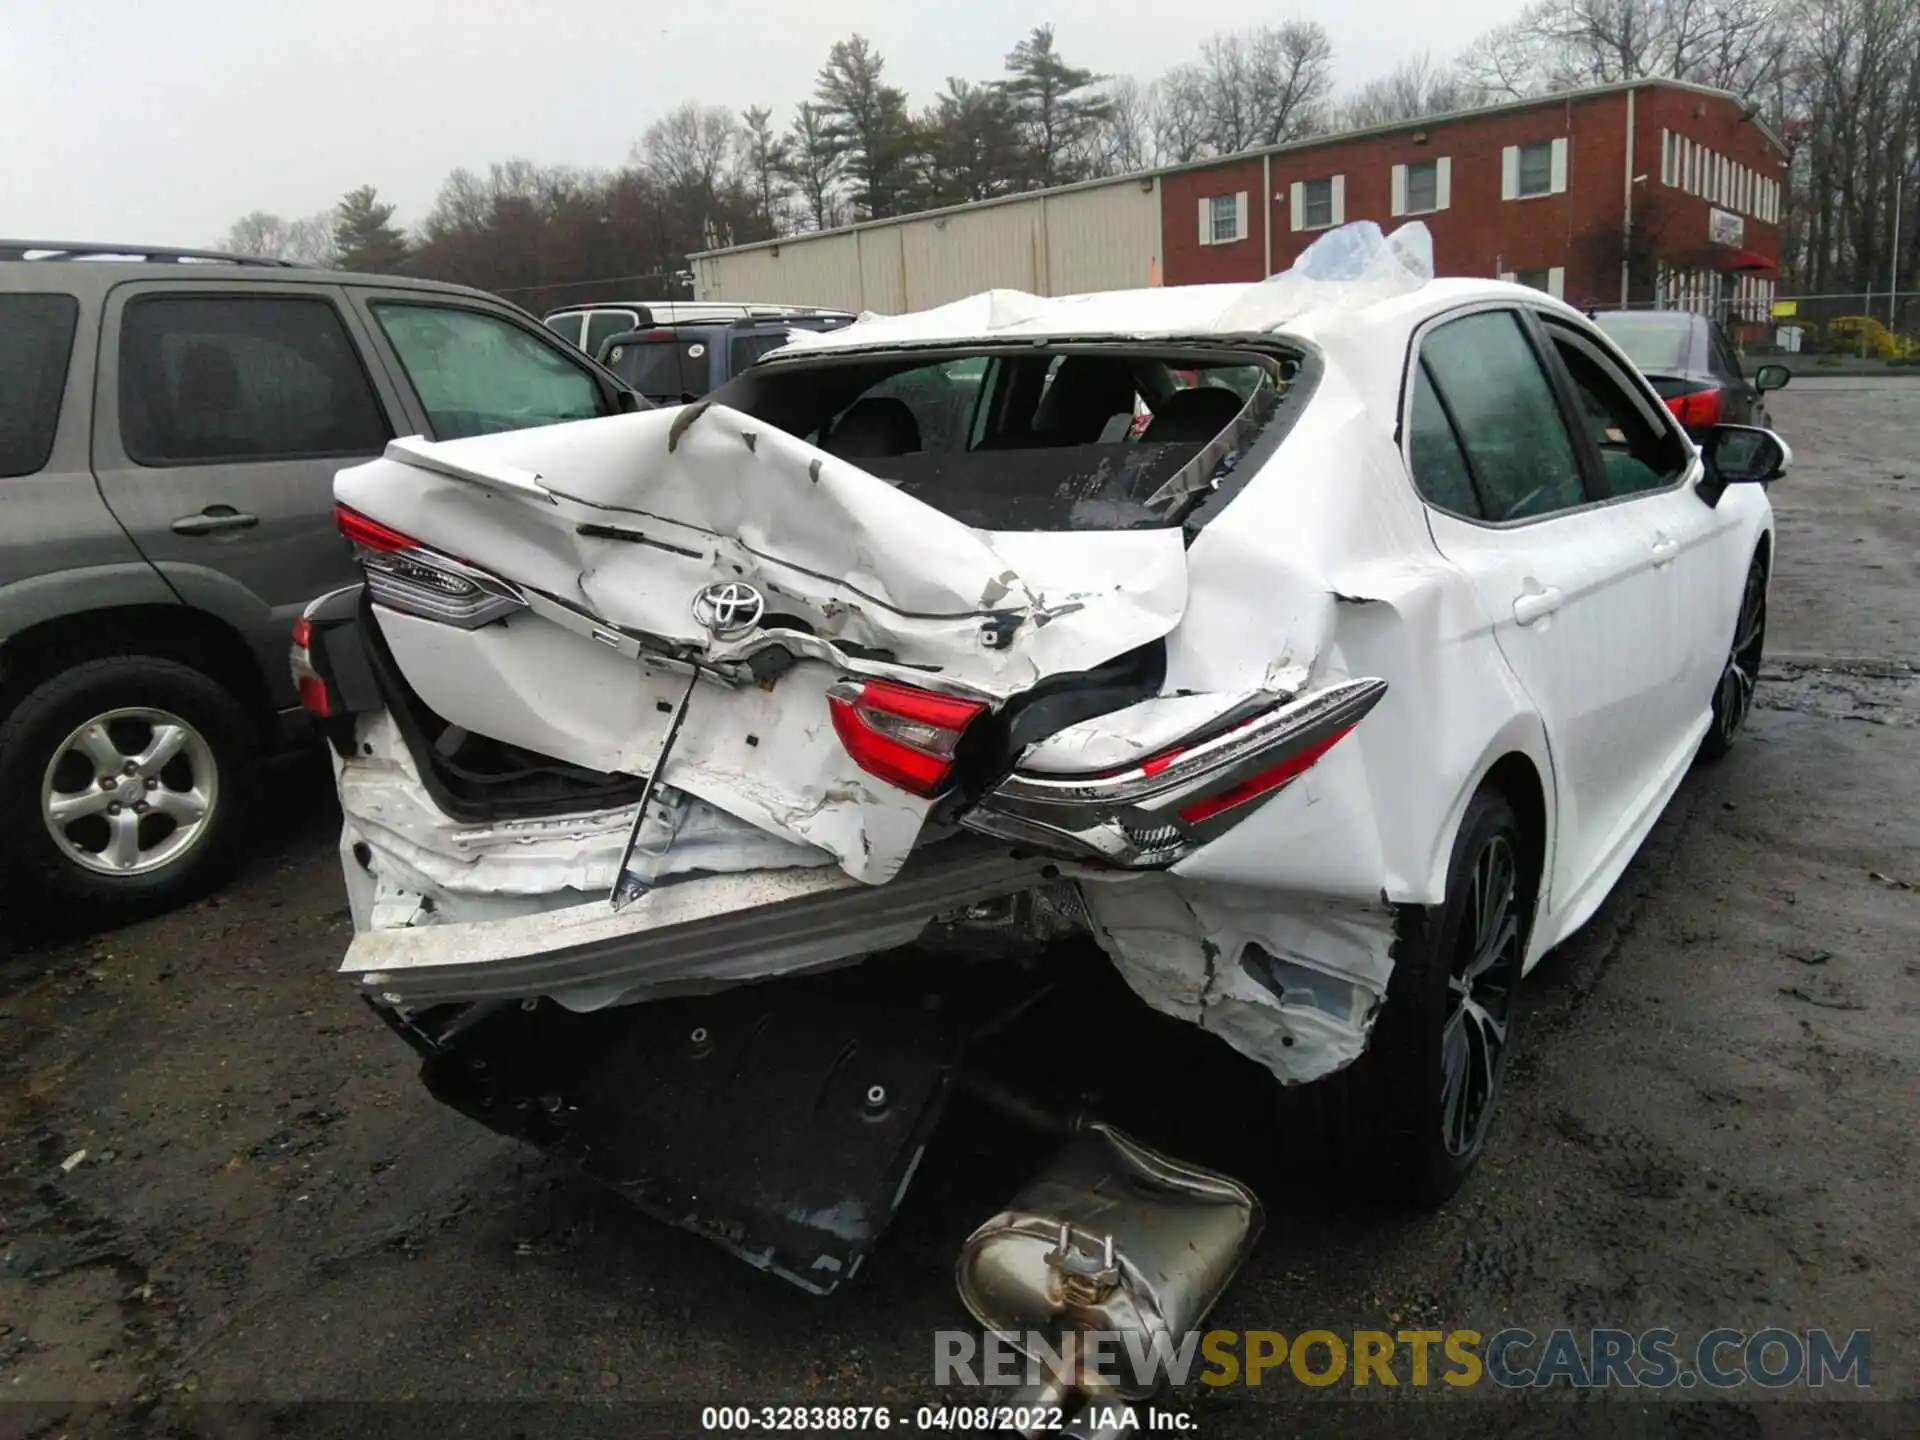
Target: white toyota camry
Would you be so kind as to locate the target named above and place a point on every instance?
(1322, 648)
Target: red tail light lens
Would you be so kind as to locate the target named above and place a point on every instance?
(1696, 407)
(315, 698)
(1255, 786)
(365, 530)
(903, 735)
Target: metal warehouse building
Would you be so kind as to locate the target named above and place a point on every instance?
(1559, 192)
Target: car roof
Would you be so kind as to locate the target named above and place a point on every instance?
(63, 264)
(1160, 312)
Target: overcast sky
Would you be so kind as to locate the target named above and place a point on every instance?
(163, 121)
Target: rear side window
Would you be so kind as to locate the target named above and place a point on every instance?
(478, 374)
(567, 327)
(603, 325)
(1504, 416)
(36, 337)
(223, 379)
(1439, 465)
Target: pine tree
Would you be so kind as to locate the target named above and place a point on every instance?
(1056, 117)
(869, 122)
(364, 235)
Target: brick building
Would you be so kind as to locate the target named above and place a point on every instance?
(1653, 191)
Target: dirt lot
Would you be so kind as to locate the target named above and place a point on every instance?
(1710, 1123)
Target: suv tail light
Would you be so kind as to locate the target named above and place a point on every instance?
(903, 735)
(1694, 408)
(405, 575)
(315, 698)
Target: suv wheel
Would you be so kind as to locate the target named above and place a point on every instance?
(1406, 1122)
(125, 785)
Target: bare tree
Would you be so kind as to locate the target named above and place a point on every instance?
(1179, 118)
(1558, 44)
(1124, 140)
(691, 147)
(1265, 85)
(305, 242)
(1410, 91)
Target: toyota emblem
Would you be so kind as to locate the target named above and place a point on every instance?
(728, 608)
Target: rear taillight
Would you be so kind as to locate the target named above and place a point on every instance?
(903, 735)
(1694, 408)
(1266, 781)
(405, 575)
(315, 698)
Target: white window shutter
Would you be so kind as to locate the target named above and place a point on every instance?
(1240, 215)
(1398, 189)
(1296, 205)
(1339, 199)
(1559, 165)
(1557, 282)
(1510, 173)
(1443, 182)
(1206, 220)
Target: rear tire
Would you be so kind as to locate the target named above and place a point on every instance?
(1407, 1121)
(126, 786)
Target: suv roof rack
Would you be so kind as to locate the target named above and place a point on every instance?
(83, 250)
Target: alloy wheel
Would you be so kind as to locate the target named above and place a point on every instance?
(1742, 674)
(1480, 987)
(130, 791)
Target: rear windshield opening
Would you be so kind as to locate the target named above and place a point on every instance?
(1068, 437)
(1653, 341)
(664, 368)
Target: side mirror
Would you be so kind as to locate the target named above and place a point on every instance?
(1740, 455)
(1771, 377)
(631, 402)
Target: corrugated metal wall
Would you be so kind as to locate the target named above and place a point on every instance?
(1094, 237)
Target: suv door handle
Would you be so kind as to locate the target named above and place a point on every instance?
(1664, 549)
(1536, 603)
(214, 520)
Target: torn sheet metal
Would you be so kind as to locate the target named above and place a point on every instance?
(1293, 984)
(503, 868)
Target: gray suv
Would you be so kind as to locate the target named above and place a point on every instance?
(170, 425)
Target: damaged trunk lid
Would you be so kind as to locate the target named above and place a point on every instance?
(697, 597)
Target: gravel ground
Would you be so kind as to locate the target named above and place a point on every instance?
(1710, 1122)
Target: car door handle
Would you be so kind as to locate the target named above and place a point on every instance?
(1664, 550)
(1536, 604)
(214, 520)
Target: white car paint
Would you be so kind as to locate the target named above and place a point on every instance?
(1326, 567)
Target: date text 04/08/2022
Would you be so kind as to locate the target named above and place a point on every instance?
(985, 1419)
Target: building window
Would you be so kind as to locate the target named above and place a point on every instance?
(1317, 202)
(1226, 218)
(1550, 278)
(1423, 187)
(1223, 219)
(1536, 169)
